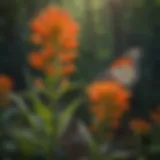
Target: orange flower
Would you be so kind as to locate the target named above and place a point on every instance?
(54, 22)
(155, 115)
(100, 111)
(108, 100)
(36, 39)
(6, 83)
(68, 69)
(48, 51)
(139, 126)
(67, 57)
(108, 89)
(38, 26)
(94, 96)
(50, 70)
(116, 114)
(108, 103)
(56, 31)
(68, 42)
(37, 61)
(6, 86)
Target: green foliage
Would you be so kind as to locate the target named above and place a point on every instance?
(45, 123)
(66, 115)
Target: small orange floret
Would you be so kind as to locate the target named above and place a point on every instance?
(69, 69)
(67, 57)
(140, 126)
(36, 60)
(36, 39)
(155, 115)
(70, 44)
(6, 86)
(48, 51)
(6, 83)
(38, 27)
(50, 70)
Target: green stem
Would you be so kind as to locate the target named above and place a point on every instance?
(54, 123)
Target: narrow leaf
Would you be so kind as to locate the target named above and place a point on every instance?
(26, 139)
(23, 108)
(66, 115)
(43, 112)
(87, 136)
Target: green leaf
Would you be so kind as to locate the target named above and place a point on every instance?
(88, 137)
(30, 141)
(66, 115)
(43, 112)
(26, 139)
(23, 108)
(10, 116)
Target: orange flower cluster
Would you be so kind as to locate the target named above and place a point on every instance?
(5, 88)
(140, 126)
(155, 115)
(56, 32)
(108, 101)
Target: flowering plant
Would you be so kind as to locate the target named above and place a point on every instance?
(42, 120)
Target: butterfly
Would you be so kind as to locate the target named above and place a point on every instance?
(125, 69)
